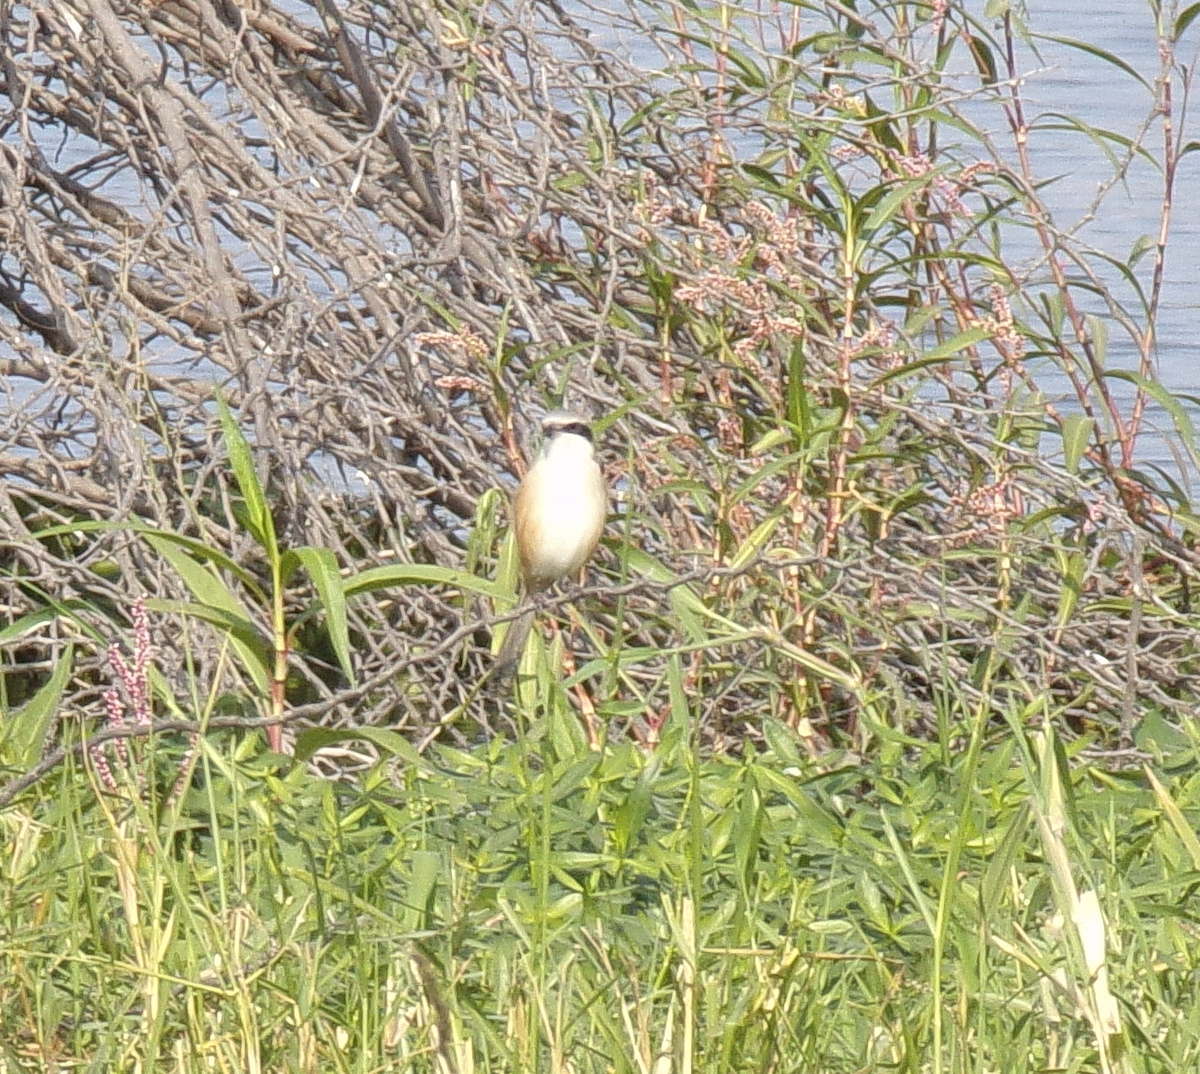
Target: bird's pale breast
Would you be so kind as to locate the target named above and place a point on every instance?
(560, 507)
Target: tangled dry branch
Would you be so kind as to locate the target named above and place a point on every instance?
(389, 235)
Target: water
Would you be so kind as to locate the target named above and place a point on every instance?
(1087, 87)
(1112, 215)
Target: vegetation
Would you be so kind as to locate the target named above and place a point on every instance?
(867, 745)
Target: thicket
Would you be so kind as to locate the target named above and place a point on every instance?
(776, 275)
(284, 290)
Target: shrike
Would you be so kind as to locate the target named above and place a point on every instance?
(558, 514)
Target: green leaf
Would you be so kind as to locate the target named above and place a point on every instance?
(190, 544)
(1098, 330)
(981, 53)
(258, 515)
(762, 176)
(27, 729)
(747, 832)
(322, 567)
(423, 871)
(1100, 136)
(27, 624)
(571, 774)
(160, 540)
(1076, 435)
(630, 815)
(1072, 567)
(679, 708)
(754, 544)
(822, 828)
(781, 740)
(752, 74)
(889, 204)
(821, 668)
(870, 898)
(997, 879)
(312, 739)
(1186, 17)
(422, 574)
(1157, 735)
(1142, 245)
(800, 402)
(568, 182)
(205, 584)
(958, 343)
(1099, 53)
(1169, 403)
(900, 854)
(254, 653)
(686, 605)
(1183, 827)
(203, 552)
(938, 355)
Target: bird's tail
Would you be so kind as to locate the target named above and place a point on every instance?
(512, 647)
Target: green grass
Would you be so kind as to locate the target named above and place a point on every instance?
(851, 802)
(536, 905)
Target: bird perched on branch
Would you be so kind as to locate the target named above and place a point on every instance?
(558, 514)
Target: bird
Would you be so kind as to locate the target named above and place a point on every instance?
(558, 516)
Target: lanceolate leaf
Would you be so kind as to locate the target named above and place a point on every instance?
(421, 574)
(322, 568)
(26, 729)
(204, 582)
(258, 514)
(253, 652)
(1076, 435)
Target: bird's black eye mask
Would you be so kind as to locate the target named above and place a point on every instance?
(579, 428)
